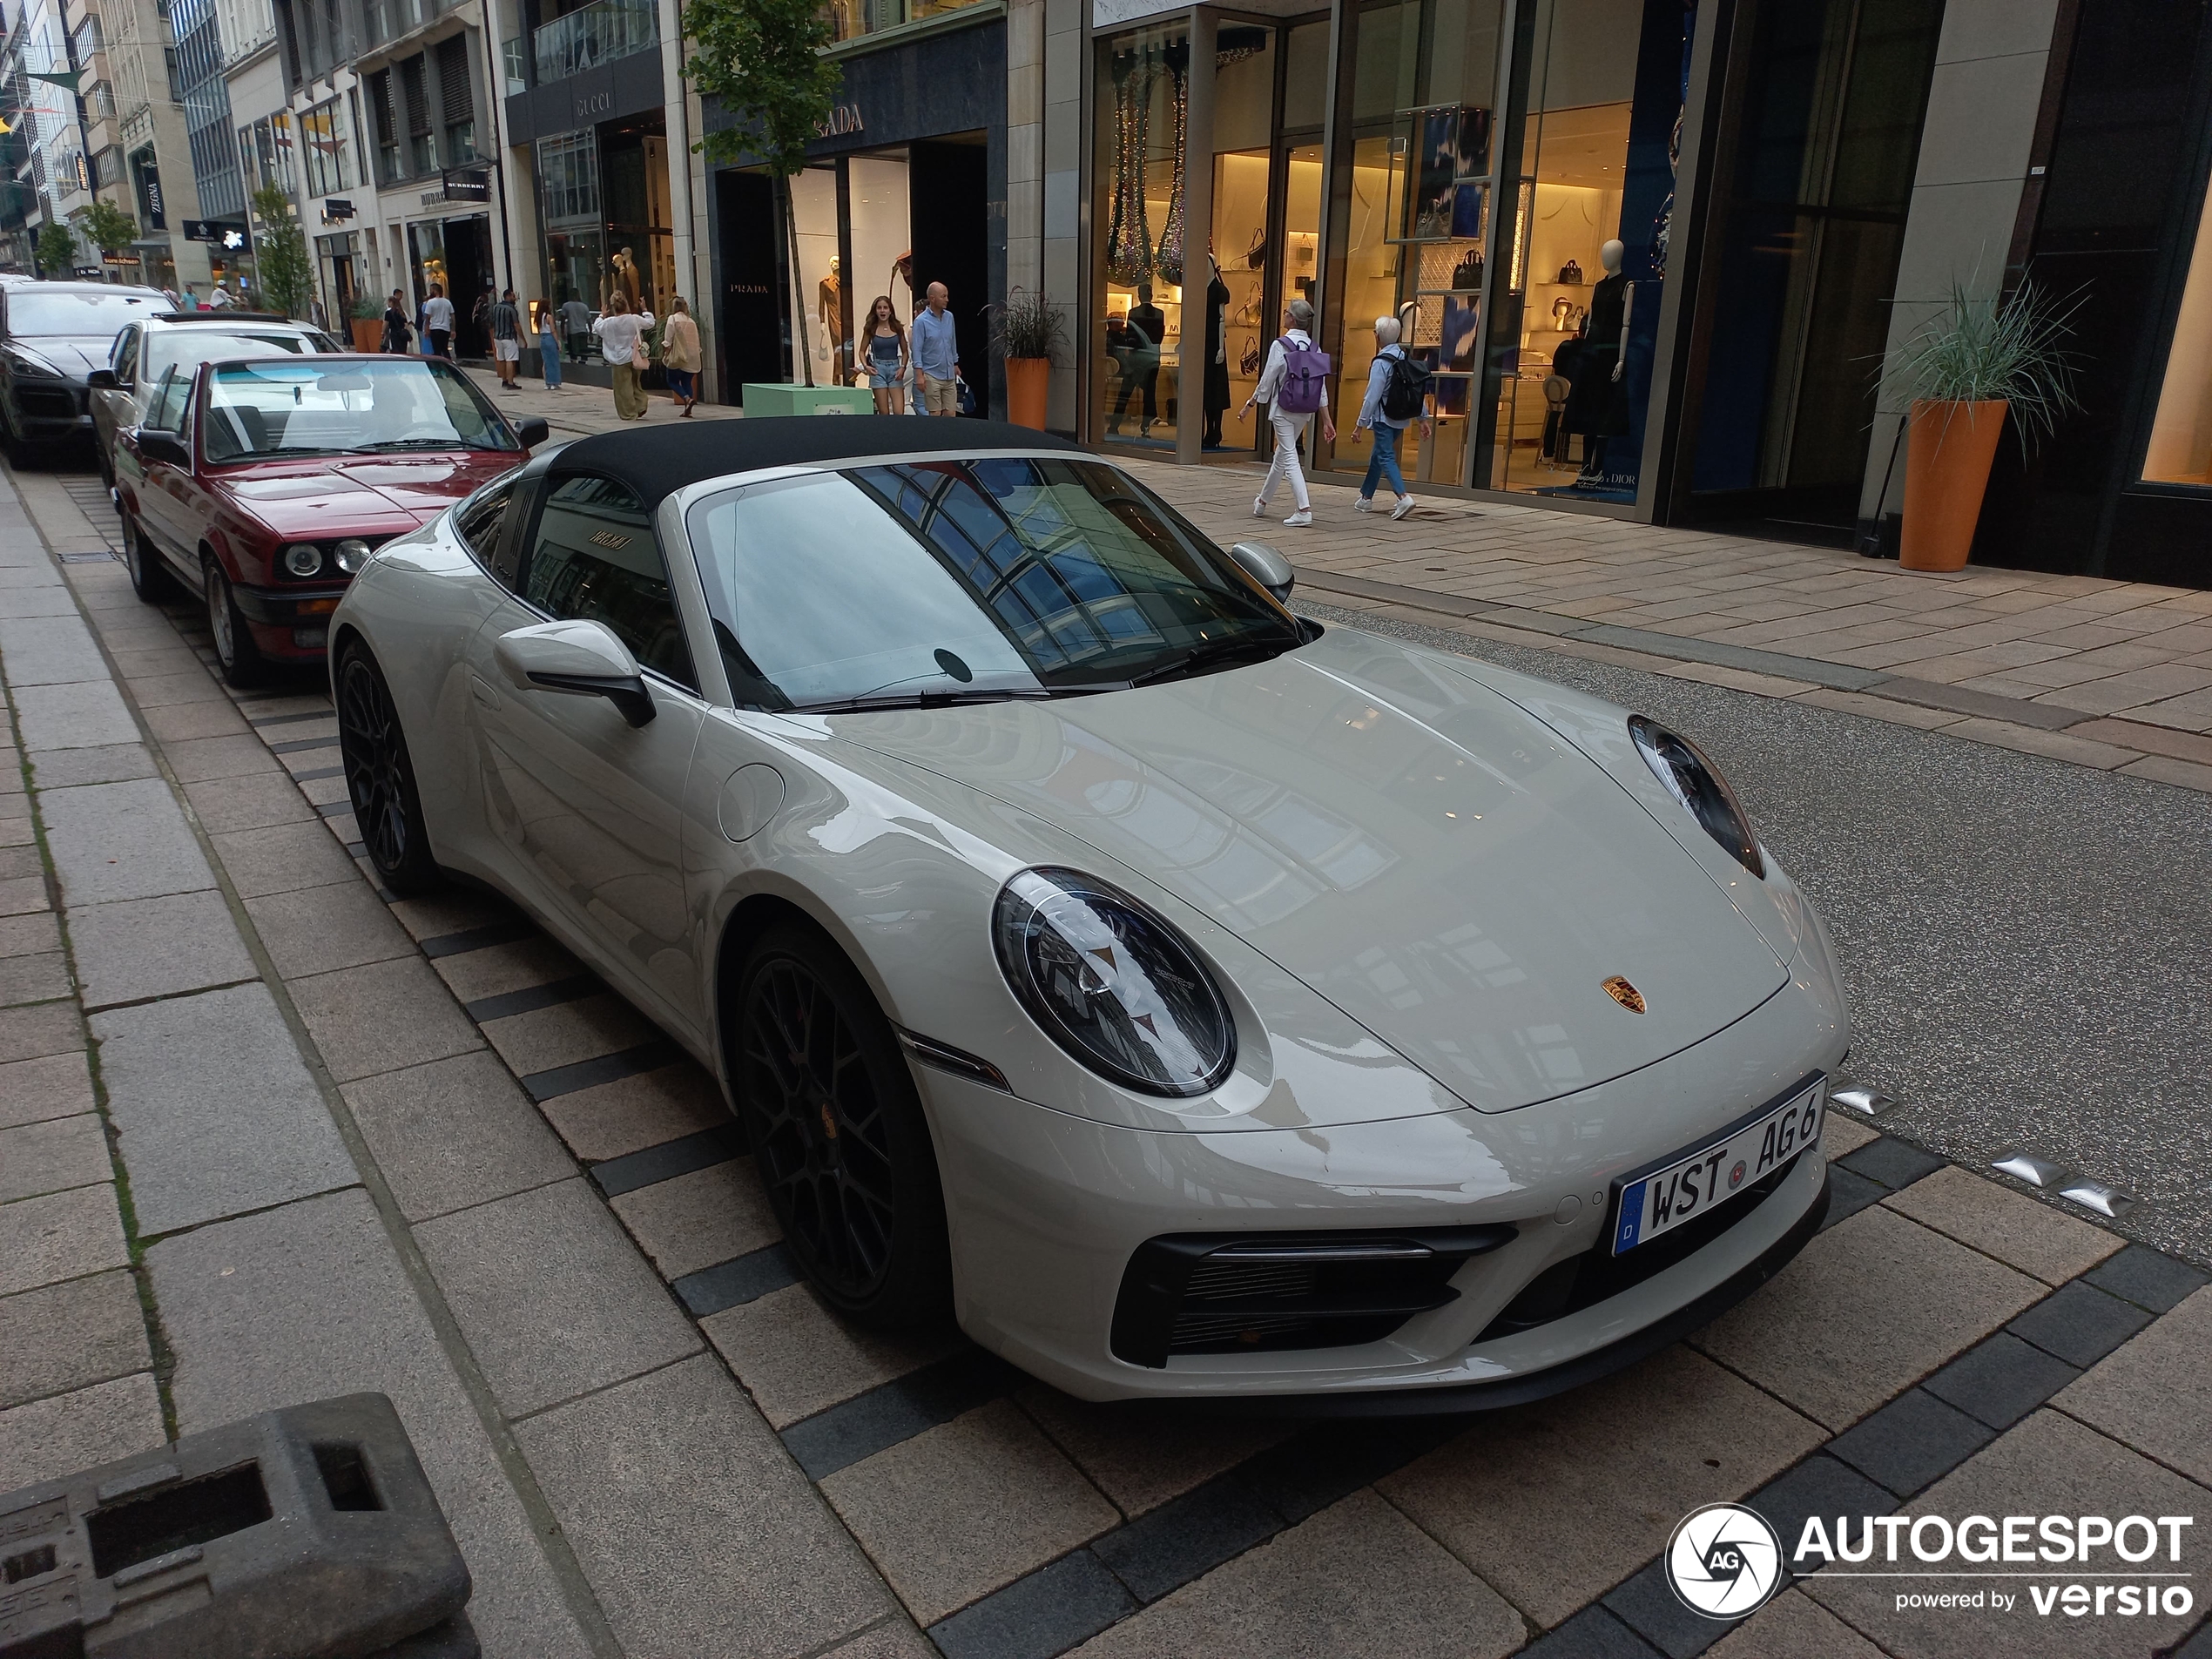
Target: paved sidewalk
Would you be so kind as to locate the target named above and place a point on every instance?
(525, 1217)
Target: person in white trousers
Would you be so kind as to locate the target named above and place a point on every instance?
(1298, 318)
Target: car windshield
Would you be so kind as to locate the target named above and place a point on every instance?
(78, 315)
(169, 347)
(283, 406)
(958, 580)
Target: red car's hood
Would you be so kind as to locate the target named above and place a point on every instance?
(361, 495)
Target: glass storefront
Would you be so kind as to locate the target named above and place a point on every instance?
(855, 223)
(1143, 105)
(2180, 432)
(603, 207)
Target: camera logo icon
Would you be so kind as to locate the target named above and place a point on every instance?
(1723, 1560)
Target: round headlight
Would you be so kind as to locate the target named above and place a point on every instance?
(1696, 783)
(303, 558)
(353, 553)
(1113, 983)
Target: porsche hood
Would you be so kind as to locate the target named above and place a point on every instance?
(1417, 849)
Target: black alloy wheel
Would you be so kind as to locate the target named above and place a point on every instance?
(240, 657)
(150, 578)
(380, 776)
(838, 1133)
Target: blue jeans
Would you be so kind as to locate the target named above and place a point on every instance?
(549, 354)
(1383, 463)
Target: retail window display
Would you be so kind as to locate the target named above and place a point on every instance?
(1143, 103)
(882, 242)
(2180, 433)
(819, 291)
(1592, 212)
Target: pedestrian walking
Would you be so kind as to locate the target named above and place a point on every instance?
(680, 354)
(1295, 387)
(1396, 395)
(543, 317)
(437, 323)
(576, 324)
(620, 331)
(395, 325)
(936, 355)
(887, 338)
(506, 340)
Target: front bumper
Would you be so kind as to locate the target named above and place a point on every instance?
(1045, 1211)
(291, 624)
(50, 411)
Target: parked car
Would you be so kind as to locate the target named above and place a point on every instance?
(145, 350)
(52, 336)
(1196, 1000)
(263, 484)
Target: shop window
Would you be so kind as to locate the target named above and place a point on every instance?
(820, 294)
(456, 95)
(1143, 97)
(387, 140)
(567, 171)
(322, 132)
(421, 149)
(2180, 433)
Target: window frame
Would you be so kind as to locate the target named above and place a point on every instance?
(489, 560)
(517, 576)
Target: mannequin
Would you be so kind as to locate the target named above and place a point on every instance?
(829, 306)
(1597, 407)
(1217, 298)
(626, 276)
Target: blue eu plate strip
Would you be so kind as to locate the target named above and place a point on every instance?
(1631, 1218)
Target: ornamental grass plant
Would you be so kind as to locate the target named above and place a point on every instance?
(1984, 349)
(1028, 324)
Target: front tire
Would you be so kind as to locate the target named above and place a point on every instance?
(380, 776)
(838, 1133)
(150, 578)
(241, 657)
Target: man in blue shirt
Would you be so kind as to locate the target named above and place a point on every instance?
(936, 355)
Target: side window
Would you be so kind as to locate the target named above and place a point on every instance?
(479, 520)
(165, 406)
(597, 560)
(124, 356)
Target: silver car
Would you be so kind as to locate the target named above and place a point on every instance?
(146, 348)
(1194, 1000)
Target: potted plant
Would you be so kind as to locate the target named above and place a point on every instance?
(1028, 330)
(367, 318)
(1968, 367)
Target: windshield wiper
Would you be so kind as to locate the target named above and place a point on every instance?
(1209, 656)
(912, 700)
(414, 443)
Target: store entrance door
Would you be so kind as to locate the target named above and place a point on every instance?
(948, 187)
(467, 243)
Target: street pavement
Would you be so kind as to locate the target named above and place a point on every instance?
(271, 1135)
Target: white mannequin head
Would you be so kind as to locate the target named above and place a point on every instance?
(1609, 255)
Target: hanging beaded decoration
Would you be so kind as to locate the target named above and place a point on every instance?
(1128, 237)
(1169, 260)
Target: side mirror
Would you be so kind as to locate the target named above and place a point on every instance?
(576, 659)
(165, 447)
(102, 380)
(532, 430)
(1265, 566)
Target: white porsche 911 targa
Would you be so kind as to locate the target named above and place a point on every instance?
(1193, 1000)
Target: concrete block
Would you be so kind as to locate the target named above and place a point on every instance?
(613, 1120)
(52, 1156)
(569, 1032)
(692, 1523)
(2155, 1393)
(34, 979)
(796, 1358)
(32, 1091)
(320, 929)
(555, 1301)
(281, 858)
(1794, 1626)
(147, 948)
(62, 1235)
(53, 1437)
(382, 1018)
(47, 651)
(712, 1215)
(217, 1111)
(227, 803)
(198, 759)
(122, 840)
(1138, 1456)
(42, 1029)
(73, 716)
(209, 716)
(2008, 1225)
(71, 1335)
(106, 763)
(310, 1300)
(454, 1133)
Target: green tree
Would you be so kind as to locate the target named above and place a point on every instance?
(56, 249)
(107, 228)
(762, 59)
(282, 270)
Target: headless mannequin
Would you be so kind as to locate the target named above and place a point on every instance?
(1612, 424)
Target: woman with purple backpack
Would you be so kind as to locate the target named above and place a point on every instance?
(1295, 387)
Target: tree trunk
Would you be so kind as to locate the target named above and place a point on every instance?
(798, 283)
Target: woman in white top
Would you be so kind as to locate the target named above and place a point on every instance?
(1298, 317)
(621, 332)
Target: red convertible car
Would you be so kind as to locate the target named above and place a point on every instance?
(262, 485)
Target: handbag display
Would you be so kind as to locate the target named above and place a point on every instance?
(1468, 272)
(1570, 271)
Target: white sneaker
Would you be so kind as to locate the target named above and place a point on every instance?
(1365, 504)
(1405, 506)
(1259, 507)
(1300, 518)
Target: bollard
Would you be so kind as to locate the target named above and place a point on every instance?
(309, 1533)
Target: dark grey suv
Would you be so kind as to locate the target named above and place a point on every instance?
(52, 335)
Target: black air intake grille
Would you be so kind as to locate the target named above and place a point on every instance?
(1267, 1293)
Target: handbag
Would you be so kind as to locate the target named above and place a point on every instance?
(1570, 271)
(966, 395)
(1468, 272)
(1256, 255)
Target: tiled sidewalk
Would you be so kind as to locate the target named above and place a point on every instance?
(735, 1472)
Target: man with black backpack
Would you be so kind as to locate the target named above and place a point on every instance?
(1397, 391)
(1295, 387)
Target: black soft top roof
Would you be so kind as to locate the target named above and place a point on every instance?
(656, 461)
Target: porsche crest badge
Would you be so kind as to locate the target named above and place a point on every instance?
(1625, 993)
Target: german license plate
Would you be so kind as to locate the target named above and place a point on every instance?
(1688, 1185)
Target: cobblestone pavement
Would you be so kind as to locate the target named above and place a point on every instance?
(271, 1135)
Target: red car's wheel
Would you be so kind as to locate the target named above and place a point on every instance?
(236, 650)
(150, 578)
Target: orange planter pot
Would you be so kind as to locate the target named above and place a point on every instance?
(1947, 471)
(368, 333)
(1027, 380)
